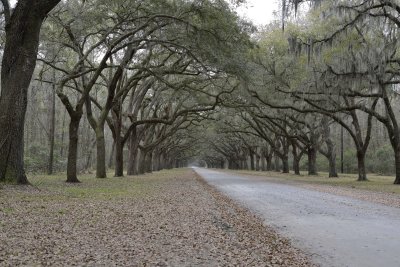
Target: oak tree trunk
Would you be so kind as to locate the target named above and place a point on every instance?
(252, 165)
(133, 154)
(362, 173)
(63, 135)
(312, 161)
(296, 159)
(397, 165)
(73, 148)
(285, 164)
(52, 123)
(257, 163)
(101, 171)
(19, 60)
(263, 163)
(276, 163)
(142, 162)
(119, 157)
(156, 160)
(269, 162)
(149, 162)
(332, 166)
(296, 166)
(111, 159)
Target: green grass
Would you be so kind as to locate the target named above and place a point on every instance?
(375, 182)
(54, 187)
(8, 210)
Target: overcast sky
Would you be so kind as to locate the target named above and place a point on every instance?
(259, 11)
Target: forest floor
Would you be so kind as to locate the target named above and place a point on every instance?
(168, 218)
(378, 189)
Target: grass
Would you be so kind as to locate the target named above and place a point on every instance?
(375, 182)
(54, 187)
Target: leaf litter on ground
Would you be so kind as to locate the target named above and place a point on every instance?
(168, 218)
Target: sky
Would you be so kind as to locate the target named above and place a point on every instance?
(260, 12)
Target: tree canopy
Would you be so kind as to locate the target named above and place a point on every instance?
(145, 85)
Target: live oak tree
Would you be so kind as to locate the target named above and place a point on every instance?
(365, 71)
(376, 61)
(328, 146)
(18, 64)
(137, 78)
(78, 71)
(128, 54)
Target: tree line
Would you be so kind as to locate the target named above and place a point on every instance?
(139, 86)
(139, 74)
(333, 69)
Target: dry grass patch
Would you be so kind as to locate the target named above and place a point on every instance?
(375, 182)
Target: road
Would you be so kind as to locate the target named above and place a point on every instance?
(334, 230)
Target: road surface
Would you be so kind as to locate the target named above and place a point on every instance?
(334, 230)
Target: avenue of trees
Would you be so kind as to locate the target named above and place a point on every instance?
(139, 86)
(316, 84)
(116, 82)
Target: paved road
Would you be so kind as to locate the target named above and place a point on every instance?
(335, 230)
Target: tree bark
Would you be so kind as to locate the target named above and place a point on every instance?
(252, 166)
(330, 152)
(161, 162)
(285, 164)
(362, 174)
(19, 61)
(263, 162)
(149, 162)
(332, 166)
(276, 164)
(296, 166)
(226, 164)
(156, 161)
(133, 161)
(312, 161)
(52, 123)
(296, 161)
(269, 163)
(170, 164)
(142, 161)
(73, 148)
(111, 159)
(258, 158)
(101, 171)
(119, 157)
(89, 153)
(296, 158)
(62, 135)
(133, 154)
(119, 142)
(397, 165)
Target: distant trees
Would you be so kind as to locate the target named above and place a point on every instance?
(135, 81)
(147, 71)
(324, 74)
